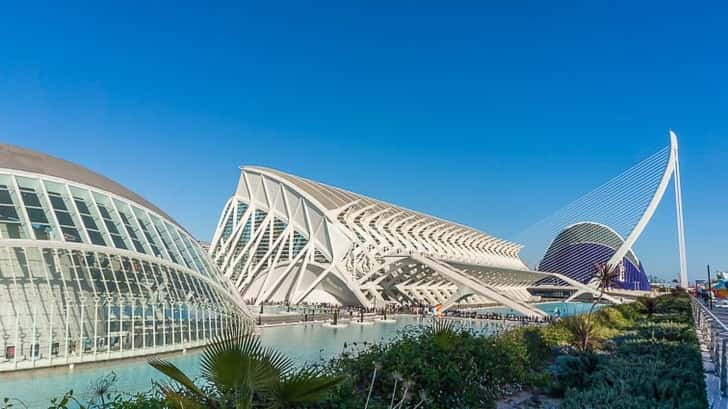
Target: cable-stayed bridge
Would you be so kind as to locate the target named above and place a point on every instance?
(604, 224)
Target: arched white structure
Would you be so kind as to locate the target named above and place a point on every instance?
(91, 271)
(672, 170)
(282, 238)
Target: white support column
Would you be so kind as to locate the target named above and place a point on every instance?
(65, 337)
(679, 211)
(96, 325)
(133, 312)
(108, 327)
(83, 337)
(33, 349)
(50, 333)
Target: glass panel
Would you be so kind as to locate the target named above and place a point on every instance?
(104, 213)
(71, 234)
(5, 195)
(118, 241)
(64, 218)
(130, 227)
(82, 208)
(57, 202)
(149, 233)
(96, 238)
(111, 227)
(37, 215)
(166, 241)
(29, 197)
(89, 222)
(8, 214)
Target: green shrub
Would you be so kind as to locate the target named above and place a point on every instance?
(466, 371)
(572, 371)
(656, 363)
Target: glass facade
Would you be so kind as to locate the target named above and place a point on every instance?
(87, 275)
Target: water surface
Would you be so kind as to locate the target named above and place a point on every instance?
(302, 343)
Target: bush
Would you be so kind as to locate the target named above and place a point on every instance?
(656, 364)
(467, 370)
(572, 371)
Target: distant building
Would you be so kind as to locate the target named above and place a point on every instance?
(580, 247)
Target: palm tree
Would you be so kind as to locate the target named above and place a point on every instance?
(649, 306)
(606, 276)
(443, 332)
(584, 334)
(242, 374)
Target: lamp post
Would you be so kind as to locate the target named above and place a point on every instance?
(710, 290)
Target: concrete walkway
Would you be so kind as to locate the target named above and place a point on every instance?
(716, 400)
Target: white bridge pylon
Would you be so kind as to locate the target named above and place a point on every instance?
(672, 171)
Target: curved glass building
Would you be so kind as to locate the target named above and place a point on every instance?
(91, 271)
(579, 247)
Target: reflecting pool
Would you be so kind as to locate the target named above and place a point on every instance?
(556, 308)
(303, 343)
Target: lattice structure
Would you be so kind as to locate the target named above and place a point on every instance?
(282, 238)
(91, 271)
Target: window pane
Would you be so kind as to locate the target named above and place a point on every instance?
(82, 206)
(104, 213)
(57, 202)
(89, 222)
(41, 231)
(96, 238)
(8, 214)
(64, 219)
(36, 215)
(30, 198)
(70, 234)
(111, 226)
(118, 242)
(5, 197)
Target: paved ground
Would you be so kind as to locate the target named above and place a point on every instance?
(716, 400)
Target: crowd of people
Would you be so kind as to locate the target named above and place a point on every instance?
(310, 311)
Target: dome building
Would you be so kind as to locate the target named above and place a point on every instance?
(578, 248)
(91, 271)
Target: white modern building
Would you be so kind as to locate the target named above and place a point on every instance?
(91, 271)
(283, 238)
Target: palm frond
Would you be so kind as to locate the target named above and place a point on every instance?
(584, 334)
(174, 373)
(443, 333)
(442, 326)
(606, 275)
(238, 364)
(282, 364)
(304, 386)
(176, 400)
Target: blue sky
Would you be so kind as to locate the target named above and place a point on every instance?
(490, 114)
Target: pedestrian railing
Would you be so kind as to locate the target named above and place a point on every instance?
(714, 334)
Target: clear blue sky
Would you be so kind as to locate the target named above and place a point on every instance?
(493, 115)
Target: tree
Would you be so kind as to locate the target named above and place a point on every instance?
(584, 333)
(606, 276)
(241, 374)
(649, 306)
